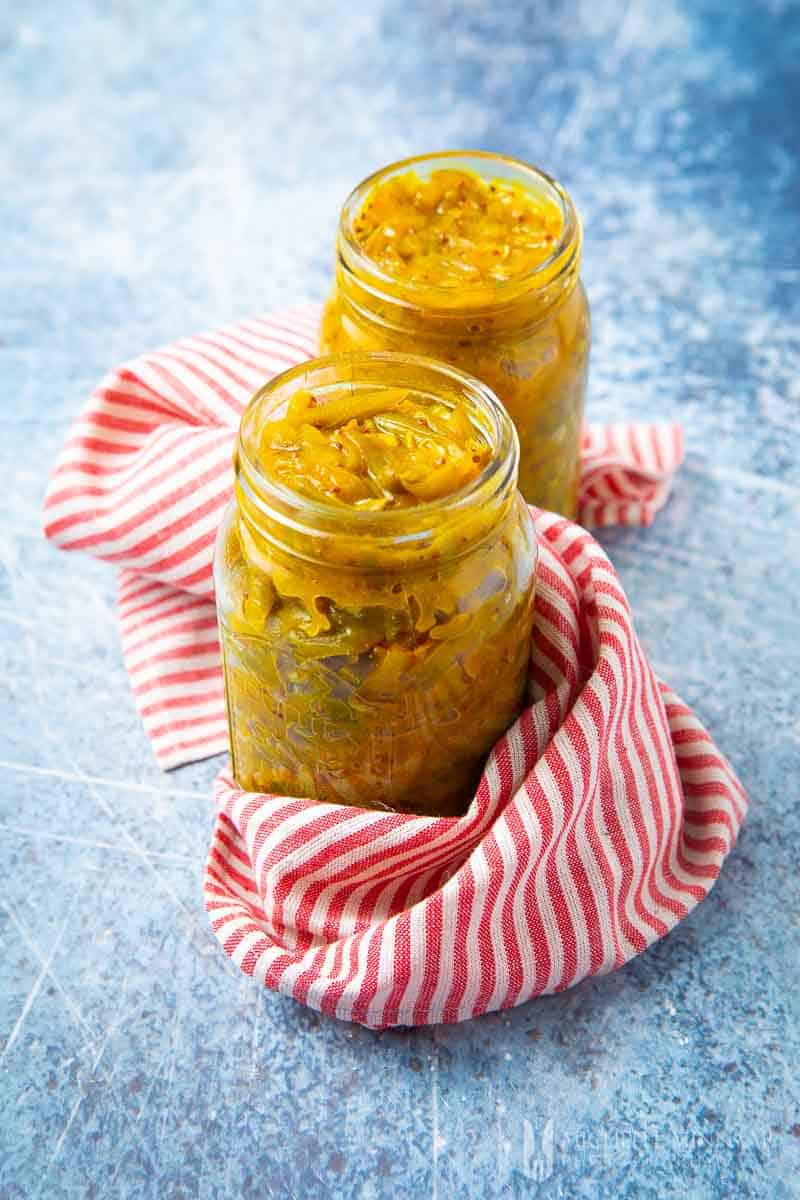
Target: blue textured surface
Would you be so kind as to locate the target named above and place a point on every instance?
(167, 168)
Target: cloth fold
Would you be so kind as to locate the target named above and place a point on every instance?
(145, 475)
(602, 818)
(603, 815)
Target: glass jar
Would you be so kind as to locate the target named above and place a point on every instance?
(527, 337)
(374, 657)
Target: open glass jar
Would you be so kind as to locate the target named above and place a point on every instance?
(523, 327)
(374, 656)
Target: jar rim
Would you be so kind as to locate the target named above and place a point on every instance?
(401, 291)
(305, 515)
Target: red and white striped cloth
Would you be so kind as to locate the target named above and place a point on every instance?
(602, 818)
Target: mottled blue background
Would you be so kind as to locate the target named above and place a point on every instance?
(169, 167)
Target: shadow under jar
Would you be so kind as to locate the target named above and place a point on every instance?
(374, 577)
(473, 259)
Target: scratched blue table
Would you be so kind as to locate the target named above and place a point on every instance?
(163, 173)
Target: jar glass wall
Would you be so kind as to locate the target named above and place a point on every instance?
(374, 657)
(526, 335)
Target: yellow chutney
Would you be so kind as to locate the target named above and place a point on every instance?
(374, 578)
(473, 259)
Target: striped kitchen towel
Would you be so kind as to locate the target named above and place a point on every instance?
(145, 474)
(602, 818)
(603, 815)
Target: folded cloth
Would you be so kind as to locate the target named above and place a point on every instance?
(602, 818)
(145, 474)
(603, 815)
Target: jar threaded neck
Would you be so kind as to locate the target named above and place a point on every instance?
(326, 532)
